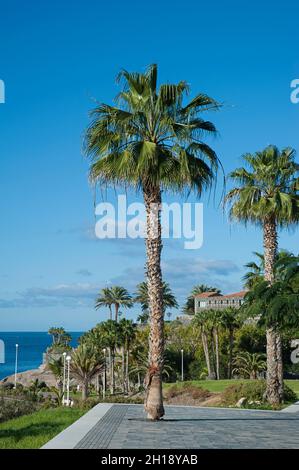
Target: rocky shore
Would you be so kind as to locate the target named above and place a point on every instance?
(43, 374)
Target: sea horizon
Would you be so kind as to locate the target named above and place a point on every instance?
(31, 346)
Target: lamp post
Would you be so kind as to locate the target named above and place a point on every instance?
(104, 375)
(182, 364)
(16, 364)
(64, 374)
(68, 359)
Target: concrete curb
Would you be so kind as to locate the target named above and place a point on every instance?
(292, 408)
(68, 438)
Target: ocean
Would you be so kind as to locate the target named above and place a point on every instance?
(30, 350)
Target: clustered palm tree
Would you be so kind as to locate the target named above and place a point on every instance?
(59, 336)
(116, 296)
(152, 141)
(267, 195)
(210, 322)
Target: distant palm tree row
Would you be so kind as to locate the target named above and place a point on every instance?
(116, 297)
(209, 322)
(154, 142)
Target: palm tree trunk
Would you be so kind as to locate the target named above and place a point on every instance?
(206, 352)
(110, 312)
(216, 335)
(112, 373)
(110, 369)
(127, 372)
(153, 382)
(274, 353)
(116, 312)
(123, 369)
(231, 346)
(84, 390)
(214, 373)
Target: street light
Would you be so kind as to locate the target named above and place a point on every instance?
(104, 375)
(68, 359)
(64, 374)
(182, 356)
(16, 365)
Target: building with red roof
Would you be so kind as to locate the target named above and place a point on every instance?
(213, 300)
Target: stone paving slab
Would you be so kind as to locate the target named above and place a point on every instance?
(126, 427)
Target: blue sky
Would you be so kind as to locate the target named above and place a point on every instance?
(55, 59)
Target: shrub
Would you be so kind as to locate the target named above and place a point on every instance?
(6, 386)
(187, 389)
(13, 408)
(252, 391)
(289, 394)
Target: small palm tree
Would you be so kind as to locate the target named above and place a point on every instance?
(57, 334)
(84, 366)
(152, 142)
(115, 295)
(248, 365)
(141, 297)
(56, 367)
(267, 195)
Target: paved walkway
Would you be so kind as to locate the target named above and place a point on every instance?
(125, 427)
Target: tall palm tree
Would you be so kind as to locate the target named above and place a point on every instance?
(142, 297)
(188, 308)
(127, 333)
(201, 320)
(111, 339)
(214, 319)
(150, 141)
(229, 320)
(267, 195)
(104, 299)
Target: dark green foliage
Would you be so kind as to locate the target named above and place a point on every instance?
(12, 408)
(276, 304)
(252, 391)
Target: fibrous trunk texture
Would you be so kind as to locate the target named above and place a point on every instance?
(153, 381)
(84, 390)
(204, 340)
(274, 352)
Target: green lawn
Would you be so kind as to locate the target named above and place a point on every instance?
(220, 385)
(33, 431)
